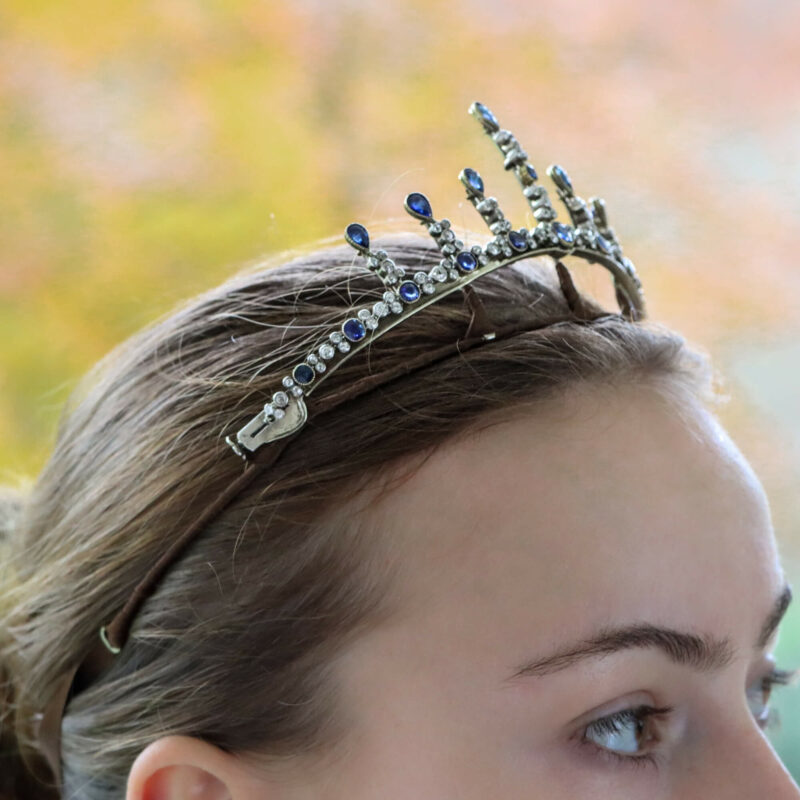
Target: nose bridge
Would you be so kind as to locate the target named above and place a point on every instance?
(741, 764)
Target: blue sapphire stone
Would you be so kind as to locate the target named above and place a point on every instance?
(419, 204)
(303, 373)
(563, 176)
(466, 261)
(517, 240)
(486, 114)
(604, 244)
(358, 234)
(409, 291)
(564, 232)
(473, 179)
(532, 172)
(354, 329)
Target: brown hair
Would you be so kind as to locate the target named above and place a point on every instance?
(236, 644)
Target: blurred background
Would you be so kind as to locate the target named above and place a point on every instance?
(150, 149)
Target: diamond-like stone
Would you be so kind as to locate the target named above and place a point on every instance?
(429, 288)
(320, 366)
(288, 382)
(280, 399)
(396, 308)
(445, 223)
(492, 249)
(269, 410)
(448, 249)
(448, 236)
(508, 252)
(335, 337)
(371, 323)
(453, 274)
(435, 229)
(458, 244)
(364, 313)
(483, 258)
(297, 391)
(439, 273)
(380, 309)
(312, 359)
(279, 413)
(420, 277)
(344, 347)
(327, 351)
(388, 296)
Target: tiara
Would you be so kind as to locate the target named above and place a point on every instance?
(589, 237)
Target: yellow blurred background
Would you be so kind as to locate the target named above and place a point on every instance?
(149, 149)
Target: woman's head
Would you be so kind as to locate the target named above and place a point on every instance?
(349, 625)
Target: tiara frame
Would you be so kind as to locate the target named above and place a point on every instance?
(589, 237)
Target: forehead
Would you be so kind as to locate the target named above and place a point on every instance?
(606, 504)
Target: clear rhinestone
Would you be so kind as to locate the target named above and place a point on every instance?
(371, 323)
(420, 277)
(475, 249)
(439, 273)
(401, 271)
(344, 347)
(288, 382)
(428, 288)
(326, 351)
(268, 410)
(280, 399)
(381, 254)
(445, 223)
(492, 249)
(448, 236)
(448, 249)
(279, 413)
(297, 391)
(458, 244)
(364, 313)
(388, 265)
(336, 337)
(396, 308)
(320, 366)
(453, 274)
(372, 262)
(508, 252)
(388, 296)
(393, 278)
(483, 258)
(435, 229)
(380, 309)
(311, 359)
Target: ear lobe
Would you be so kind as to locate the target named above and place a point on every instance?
(177, 767)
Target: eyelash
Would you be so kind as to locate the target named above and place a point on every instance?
(641, 713)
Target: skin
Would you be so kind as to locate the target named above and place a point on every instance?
(608, 507)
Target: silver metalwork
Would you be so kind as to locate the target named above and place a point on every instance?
(589, 237)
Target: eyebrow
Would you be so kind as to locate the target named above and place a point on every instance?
(700, 651)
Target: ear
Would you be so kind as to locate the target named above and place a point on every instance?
(176, 767)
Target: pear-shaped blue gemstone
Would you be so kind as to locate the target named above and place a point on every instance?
(486, 114)
(532, 172)
(419, 204)
(409, 291)
(562, 176)
(466, 261)
(303, 373)
(358, 234)
(354, 329)
(473, 179)
(564, 232)
(517, 240)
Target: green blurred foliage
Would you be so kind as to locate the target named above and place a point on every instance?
(147, 149)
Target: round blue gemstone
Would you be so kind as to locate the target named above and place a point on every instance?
(466, 261)
(604, 244)
(419, 204)
(354, 329)
(358, 234)
(409, 291)
(563, 176)
(532, 172)
(303, 373)
(564, 232)
(473, 179)
(486, 114)
(517, 240)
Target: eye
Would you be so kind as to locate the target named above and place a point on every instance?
(759, 694)
(626, 735)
